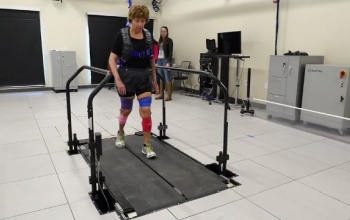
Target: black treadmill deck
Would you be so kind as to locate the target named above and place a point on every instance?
(149, 185)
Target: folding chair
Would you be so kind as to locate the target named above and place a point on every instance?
(181, 75)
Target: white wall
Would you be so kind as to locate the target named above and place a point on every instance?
(64, 25)
(319, 27)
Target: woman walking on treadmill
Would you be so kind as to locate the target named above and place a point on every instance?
(132, 49)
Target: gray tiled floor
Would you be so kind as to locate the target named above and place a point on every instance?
(285, 173)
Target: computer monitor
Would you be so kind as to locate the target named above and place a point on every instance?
(229, 42)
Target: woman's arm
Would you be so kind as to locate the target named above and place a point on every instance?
(154, 77)
(170, 50)
(112, 61)
(113, 65)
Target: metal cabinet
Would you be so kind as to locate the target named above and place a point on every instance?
(63, 66)
(285, 84)
(327, 90)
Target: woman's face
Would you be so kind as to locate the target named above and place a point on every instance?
(138, 23)
(163, 32)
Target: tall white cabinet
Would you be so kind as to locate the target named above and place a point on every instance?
(285, 84)
(63, 66)
(327, 90)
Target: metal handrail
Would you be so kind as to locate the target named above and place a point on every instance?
(92, 95)
(70, 134)
(222, 158)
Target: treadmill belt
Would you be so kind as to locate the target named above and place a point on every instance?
(129, 176)
(188, 176)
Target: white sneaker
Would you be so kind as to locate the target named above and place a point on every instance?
(119, 142)
(148, 151)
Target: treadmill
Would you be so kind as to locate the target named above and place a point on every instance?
(126, 182)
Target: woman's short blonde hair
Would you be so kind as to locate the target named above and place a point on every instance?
(138, 11)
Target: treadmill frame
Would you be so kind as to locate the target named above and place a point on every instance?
(95, 144)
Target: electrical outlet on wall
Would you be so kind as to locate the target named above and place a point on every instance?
(245, 82)
(266, 85)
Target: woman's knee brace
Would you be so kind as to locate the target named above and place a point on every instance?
(146, 121)
(122, 119)
(147, 124)
(145, 102)
(126, 103)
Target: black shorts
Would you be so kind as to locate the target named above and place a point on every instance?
(136, 81)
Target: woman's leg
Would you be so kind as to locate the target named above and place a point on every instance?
(161, 84)
(169, 84)
(145, 101)
(125, 110)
